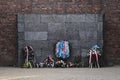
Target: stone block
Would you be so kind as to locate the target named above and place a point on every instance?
(53, 18)
(72, 26)
(83, 44)
(75, 43)
(84, 52)
(87, 43)
(57, 36)
(91, 43)
(85, 60)
(20, 27)
(72, 35)
(91, 35)
(87, 35)
(56, 31)
(36, 35)
(52, 27)
(90, 18)
(72, 30)
(100, 30)
(100, 27)
(38, 44)
(99, 18)
(36, 27)
(100, 43)
(82, 35)
(33, 18)
(20, 53)
(38, 52)
(75, 18)
(21, 44)
(91, 26)
(74, 52)
(52, 45)
(82, 26)
(20, 18)
(100, 36)
(21, 36)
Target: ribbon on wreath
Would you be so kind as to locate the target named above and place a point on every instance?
(94, 53)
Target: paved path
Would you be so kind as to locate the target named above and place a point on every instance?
(111, 73)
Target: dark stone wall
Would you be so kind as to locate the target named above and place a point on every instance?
(43, 31)
(10, 8)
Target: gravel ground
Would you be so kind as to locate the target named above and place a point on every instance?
(107, 73)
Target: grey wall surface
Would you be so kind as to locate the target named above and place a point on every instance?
(43, 31)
